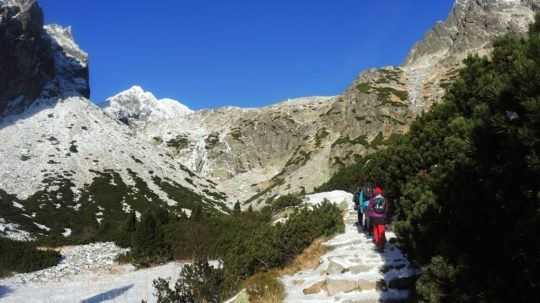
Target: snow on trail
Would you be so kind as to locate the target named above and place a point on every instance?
(87, 274)
(350, 270)
(126, 285)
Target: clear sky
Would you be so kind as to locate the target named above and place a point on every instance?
(241, 52)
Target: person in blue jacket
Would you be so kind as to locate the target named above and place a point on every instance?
(358, 203)
(361, 202)
(366, 196)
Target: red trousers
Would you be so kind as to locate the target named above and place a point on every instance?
(378, 235)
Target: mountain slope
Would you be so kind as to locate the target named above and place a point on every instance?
(70, 171)
(254, 154)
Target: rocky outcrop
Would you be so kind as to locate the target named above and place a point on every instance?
(71, 65)
(26, 61)
(472, 26)
(36, 61)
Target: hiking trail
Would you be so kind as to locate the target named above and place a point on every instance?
(352, 271)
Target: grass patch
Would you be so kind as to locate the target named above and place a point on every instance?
(360, 140)
(265, 287)
(179, 142)
(321, 134)
(364, 88)
(307, 260)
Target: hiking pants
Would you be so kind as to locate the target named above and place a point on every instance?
(378, 235)
(365, 222)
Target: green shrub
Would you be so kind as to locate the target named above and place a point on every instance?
(24, 257)
(364, 88)
(199, 282)
(248, 242)
(465, 181)
(285, 202)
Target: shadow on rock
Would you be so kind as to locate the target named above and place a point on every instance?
(4, 291)
(398, 285)
(108, 295)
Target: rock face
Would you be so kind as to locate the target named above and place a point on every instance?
(36, 61)
(71, 65)
(26, 61)
(472, 26)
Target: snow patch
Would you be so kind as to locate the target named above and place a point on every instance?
(138, 106)
(67, 232)
(13, 231)
(337, 197)
(42, 227)
(17, 205)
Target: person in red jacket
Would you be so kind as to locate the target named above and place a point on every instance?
(377, 213)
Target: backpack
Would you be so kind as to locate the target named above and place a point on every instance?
(368, 190)
(379, 204)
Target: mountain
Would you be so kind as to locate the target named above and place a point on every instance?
(293, 146)
(70, 165)
(137, 106)
(68, 169)
(36, 61)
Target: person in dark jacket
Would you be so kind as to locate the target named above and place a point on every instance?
(377, 210)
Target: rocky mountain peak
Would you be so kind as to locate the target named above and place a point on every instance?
(36, 61)
(471, 27)
(135, 106)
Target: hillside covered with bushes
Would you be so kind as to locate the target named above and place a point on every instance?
(465, 181)
(245, 243)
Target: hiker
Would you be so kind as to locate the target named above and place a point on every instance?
(377, 212)
(367, 194)
(357, 199)
(361, 202)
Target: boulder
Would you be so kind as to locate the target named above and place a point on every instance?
(335, 286)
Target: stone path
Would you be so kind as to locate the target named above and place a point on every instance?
(353, 272)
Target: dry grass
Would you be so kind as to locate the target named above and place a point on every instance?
(309, 259)
(265, 287)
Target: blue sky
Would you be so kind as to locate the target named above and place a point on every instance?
(240, 52)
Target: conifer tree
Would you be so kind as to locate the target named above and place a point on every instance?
(237, 210)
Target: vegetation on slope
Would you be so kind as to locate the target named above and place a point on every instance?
(100, 207)
(466, 181)
(246, 243)
(24, 257)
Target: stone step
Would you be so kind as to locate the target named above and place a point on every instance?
(332, 286)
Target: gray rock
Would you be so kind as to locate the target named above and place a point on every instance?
(26, 59)
(36, 61)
